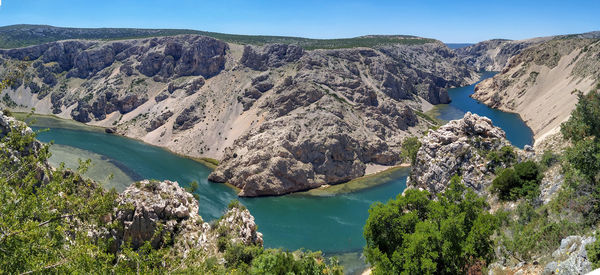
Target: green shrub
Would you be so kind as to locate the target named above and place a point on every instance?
(505, 156)
(410, 147)
(521, 181)
(414, 234)
(548, 159)
(504, 184)
(534, 234)
(593, 252)
(235, 204)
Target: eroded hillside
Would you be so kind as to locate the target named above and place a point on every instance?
(280, 118)
(539, 83)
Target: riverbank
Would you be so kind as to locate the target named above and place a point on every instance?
(374, 175)
(364, 182)
(516, 129)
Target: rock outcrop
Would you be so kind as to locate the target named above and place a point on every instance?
(261, 110)
(165, 214)
(493, 55)
(457, 148)
(571, 257)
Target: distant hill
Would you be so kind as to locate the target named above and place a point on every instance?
(16, 36)
(458, 45)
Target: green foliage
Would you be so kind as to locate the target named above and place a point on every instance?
(416, 235)
(275, 261)
(593, 252)
(37, 214)
(584, 122)
(533, 233)
(505, 156)
(410, 147)
(192, 188)
(548, 159)
(584, 156)
(521, 181)
(20, 36)
(235, 204)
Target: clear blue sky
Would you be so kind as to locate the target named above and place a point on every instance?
(447, 20)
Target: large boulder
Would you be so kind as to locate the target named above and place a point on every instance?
(161, 211)
(456, 149)
(571, 257)
(147, 206)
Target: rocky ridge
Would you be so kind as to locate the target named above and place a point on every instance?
(165, 214)
(539, 82)
(459, 148)
(493, 55)
(258, 109)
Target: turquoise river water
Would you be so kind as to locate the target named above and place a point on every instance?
(332, 224)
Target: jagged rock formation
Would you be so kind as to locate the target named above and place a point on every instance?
(158, 212)
(8, 124)
(571, 257)
(457, 148)
(261, 110)
(152, 210)
(493, 55)
(539, 82)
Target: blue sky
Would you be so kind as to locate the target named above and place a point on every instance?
(449, 21)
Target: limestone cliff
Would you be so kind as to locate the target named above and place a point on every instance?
(459, 147)
(493, 55)
(539, 82)
(165, 214)
(263, 110)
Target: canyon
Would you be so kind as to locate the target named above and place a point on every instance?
(282, 118)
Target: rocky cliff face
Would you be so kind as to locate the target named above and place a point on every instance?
(539, 82)
(164, 214)
(267, 112)
(490, 55)
(458, 148)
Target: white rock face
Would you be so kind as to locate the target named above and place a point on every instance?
(571, 257)
(158, 211)
(146, 206)
(455, 149)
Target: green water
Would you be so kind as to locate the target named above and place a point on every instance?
(331, 224)
(516, 130)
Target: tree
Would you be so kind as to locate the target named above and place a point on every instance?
(584, 122)
(416, 235)
(520, 181)
(410, 147)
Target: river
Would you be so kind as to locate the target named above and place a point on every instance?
(332, 224)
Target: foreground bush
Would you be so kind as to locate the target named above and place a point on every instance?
(54, 221)
(522, 180)
(416, 235)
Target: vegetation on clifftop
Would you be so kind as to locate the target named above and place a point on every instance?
(17, 36)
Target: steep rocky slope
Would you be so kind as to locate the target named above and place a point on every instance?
(162, 212)
(539, 82)
(280, 118)
(459, 147)
(493, 55)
